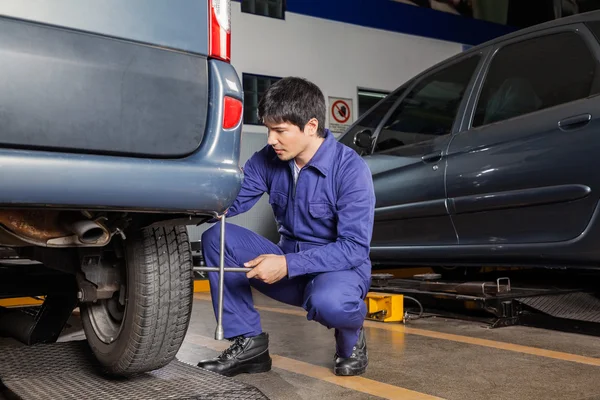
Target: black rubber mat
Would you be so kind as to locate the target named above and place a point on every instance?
(576, 306)
(68, 371)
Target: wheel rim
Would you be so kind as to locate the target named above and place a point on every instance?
(107, 316)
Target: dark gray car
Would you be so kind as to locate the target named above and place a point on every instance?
(493, 156)
(120, 124)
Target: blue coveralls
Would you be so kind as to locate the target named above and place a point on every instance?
(325, 222)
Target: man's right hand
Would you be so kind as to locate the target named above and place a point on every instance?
(269, 268)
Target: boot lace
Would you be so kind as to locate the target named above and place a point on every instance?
(235, 348)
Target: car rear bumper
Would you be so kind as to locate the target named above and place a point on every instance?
(205, 182)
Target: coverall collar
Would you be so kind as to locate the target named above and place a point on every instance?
(322, 159)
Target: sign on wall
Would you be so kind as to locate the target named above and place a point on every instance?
(340, 115)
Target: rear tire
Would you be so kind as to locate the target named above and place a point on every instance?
(152, 324)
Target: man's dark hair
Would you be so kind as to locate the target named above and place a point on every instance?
(293, 100)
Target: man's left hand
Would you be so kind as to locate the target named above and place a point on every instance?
(269, 268)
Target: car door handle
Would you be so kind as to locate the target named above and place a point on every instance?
(432, 157)
(575, 122)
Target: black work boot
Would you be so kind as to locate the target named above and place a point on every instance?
(246, 355)
(357, 363)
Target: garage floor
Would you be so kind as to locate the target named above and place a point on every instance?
(431, 358)
(426, 359)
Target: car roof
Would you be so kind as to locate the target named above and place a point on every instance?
(574, 19)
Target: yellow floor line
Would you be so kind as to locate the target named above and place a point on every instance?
(20, 302)
(536, 351)
(356, 383)
(201, 286)
(558, 355)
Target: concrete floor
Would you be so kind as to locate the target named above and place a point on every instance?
(428, 358)
(431, 358)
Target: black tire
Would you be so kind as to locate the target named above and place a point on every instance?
(158, 305)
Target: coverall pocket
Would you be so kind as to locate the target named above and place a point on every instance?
(321, 210)
(278, 202)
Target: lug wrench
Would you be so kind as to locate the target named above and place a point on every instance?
(219, 334)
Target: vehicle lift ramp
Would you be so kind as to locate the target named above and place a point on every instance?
(498, 303)
(68, 370)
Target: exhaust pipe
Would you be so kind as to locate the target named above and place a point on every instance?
(51, 228)
(88, 232)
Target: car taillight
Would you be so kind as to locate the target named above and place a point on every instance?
(220, 29)
(232, 112)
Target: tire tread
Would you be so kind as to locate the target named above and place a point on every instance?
(163, 299)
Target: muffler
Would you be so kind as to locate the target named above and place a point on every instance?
(51, 228)
(87, 231)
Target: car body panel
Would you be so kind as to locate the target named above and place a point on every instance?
(504, 186)
(581, 252)
(417, 213)
(177, 24)
(207, 181)
(503, 181)
(70, 91)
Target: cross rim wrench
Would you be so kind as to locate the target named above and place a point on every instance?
(219, 333)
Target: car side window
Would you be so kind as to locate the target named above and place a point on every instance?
(429, 110)
(371, 119)
(536, 74)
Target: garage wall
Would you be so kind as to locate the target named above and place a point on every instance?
(338, 57)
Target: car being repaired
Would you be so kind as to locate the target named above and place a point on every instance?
(116, 131)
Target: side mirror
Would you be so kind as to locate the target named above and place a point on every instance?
(363, 139)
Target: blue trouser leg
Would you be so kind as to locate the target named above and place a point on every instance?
(336, 300)
(242, 245)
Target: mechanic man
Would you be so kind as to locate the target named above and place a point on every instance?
(322, 196)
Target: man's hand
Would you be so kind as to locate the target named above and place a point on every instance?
(269, 268)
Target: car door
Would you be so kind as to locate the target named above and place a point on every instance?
(408, 159)
(522, 168)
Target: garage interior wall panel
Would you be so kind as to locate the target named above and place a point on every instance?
(338, 57)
